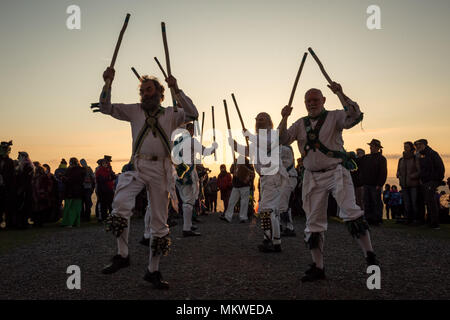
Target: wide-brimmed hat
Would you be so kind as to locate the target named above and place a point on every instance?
(107, 158)
(423, 141)
(376, 143)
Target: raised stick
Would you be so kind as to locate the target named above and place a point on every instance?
(229, 128)
(161, 68)
(203, 124)
(214, 131)
(291, 98)
(169, 72)
(107, 85)
(325, 74)
(136, 73)
(240, 118)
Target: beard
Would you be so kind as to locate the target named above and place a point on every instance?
(150, 103)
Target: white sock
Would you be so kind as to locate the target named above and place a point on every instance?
(153, 262)
(122, 241)
(187, 217)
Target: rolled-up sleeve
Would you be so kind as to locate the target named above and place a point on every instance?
(349, 117)
(119, 111)
(190, 111)
(290, 135)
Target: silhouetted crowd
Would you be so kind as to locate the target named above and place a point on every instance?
(420, 172)
(30, 194)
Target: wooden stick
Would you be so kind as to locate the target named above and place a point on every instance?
(169, 72)
(107, 85)
(161, 68)
(229, 129)
(325, 74)
(203, 124)
(214, 131)
(320, 66)
(240, 118)
(291, 98)
(136, 73)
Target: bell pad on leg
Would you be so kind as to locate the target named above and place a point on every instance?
(266, 223)
(357, 227)
(161, 246)
(115, 224)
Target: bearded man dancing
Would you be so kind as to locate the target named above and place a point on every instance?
(151, 126)
(327, 165)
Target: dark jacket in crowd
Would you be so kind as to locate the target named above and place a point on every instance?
(7, 179)
(431, 166)
(373, 169)
(408, 170)
(356, 174)
(73, 182)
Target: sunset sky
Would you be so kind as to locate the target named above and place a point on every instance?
(50, 75)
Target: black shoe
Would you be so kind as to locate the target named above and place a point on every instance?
(268, 246)
(312, 266)
(155, 278)
(288, 233)
(193, 228)
(118, 262)
(371, 259)
(314, 274)
(195, 219)
(145, 242)
(435, 226)
(243, 221)
(224, 219)
(191, 234)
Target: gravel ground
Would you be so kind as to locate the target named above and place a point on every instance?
(224, 264)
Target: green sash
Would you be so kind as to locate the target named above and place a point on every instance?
(313, 142)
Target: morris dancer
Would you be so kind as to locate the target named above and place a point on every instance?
(187, 181)
(151, 125)
(319, 137)
(273, 178)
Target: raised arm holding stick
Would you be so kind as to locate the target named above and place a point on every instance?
(335, 87)
(107, 86)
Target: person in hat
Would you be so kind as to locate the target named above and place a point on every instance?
(152, 127)
(327, 170)
(7, 184)
(431, 174)
(373, 172)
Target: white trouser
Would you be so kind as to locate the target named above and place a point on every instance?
(243, 193)
(316, 187)
(270, 201)
(283, 208)
(187, 195)
(157, 177)
(148, 214)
